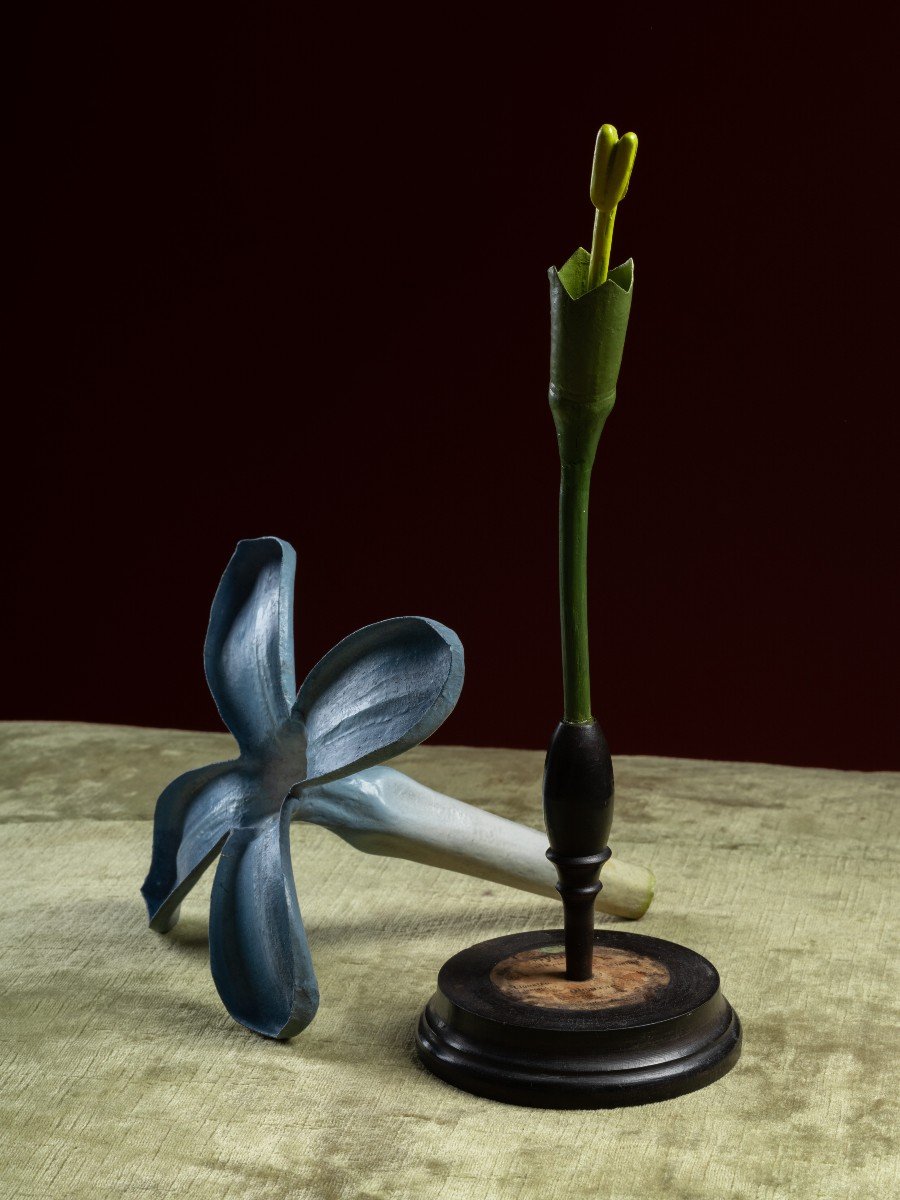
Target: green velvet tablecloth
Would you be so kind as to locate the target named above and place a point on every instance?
(121, 1074)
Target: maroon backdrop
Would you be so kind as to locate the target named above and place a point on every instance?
(283, 276)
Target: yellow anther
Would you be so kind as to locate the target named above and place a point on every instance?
(613, 161)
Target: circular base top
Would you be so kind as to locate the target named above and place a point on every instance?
(674, 980)
(506, 1023)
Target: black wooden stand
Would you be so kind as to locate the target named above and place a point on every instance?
(574, 1018)
(520, 1032)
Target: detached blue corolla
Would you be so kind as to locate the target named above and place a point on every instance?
(379, 692)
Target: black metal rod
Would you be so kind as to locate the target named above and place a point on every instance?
(579, 883)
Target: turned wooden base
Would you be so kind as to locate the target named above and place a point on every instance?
(651, 1024)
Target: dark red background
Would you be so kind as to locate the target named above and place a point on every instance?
(283, 274)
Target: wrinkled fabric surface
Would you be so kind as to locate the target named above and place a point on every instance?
(122, 1075)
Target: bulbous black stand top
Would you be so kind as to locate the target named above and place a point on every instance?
(579, 792)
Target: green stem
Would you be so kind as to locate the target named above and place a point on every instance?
(574, 491)
(601, 247)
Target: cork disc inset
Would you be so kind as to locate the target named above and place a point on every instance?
(538, 977)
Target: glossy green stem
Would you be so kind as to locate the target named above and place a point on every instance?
(574, 495)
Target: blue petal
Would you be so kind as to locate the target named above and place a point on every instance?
(258, 952)
(249, 654)
(192, 819)
(379, 692)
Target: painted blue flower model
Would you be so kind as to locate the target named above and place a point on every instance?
(381, 691)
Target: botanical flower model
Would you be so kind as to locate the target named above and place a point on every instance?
(382, 690)
(311, 757)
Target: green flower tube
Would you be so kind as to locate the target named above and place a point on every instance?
(587, 331)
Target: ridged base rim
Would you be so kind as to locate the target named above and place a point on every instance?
(505, 1051)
